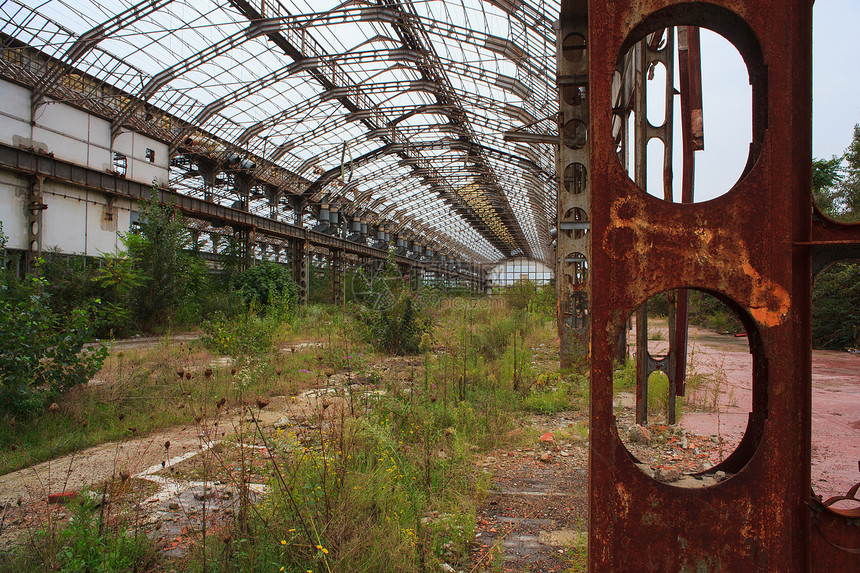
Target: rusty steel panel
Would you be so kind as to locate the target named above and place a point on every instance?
(573, 251)
(751, 247)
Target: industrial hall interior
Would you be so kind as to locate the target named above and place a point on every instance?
(429, 285)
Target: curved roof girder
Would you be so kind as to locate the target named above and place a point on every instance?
(161, 79)
(466, 212)
(502, 155)
(90, 39)
(509, 180)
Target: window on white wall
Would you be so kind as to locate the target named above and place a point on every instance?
(120, 164)
(150, 155)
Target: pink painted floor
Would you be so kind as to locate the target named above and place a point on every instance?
(835, 405)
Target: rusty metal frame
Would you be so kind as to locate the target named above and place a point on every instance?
(573, 251)
(646, 54)
(762, 518)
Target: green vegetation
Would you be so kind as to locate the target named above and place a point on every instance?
(836, 183)
(266, 284)
(384, 479)
(526, 295)
(390, 315)
(156, 283)
(704, 310)
(624, 380)
(85, 545)
(555, 393)
(836, 293)
(166, 272)
(836, 307)
(712, 313)
(42, 354)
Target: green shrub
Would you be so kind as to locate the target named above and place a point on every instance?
(836, 308)
(493, 339)
(390, 316)
(243, 335)
(518, 295)
(624, 376)
(532, 297)
(41, 354)
(658, 395)
(710, 312)
(118, 279)
(658, 306)
(69, 280)
(544, 300)
(548, 401)
(158, 252)
(517, 364)
(265, 283)
(85, 546)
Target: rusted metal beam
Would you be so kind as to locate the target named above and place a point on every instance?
(646, 54)
(88, 41)
(573, 250)
(752, 249)
(47, 167)
(692, 140)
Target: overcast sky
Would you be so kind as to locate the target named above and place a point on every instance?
(836, 75)
(727, 98)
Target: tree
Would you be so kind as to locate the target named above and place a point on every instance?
(266, 283)
(825, 176)
(836, 293)
(836, 183)
(157, 249)
(849, 186)
(836, 308)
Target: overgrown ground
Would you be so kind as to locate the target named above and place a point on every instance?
(289, 445)
(320, 453)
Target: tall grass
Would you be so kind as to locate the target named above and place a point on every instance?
(381, 475)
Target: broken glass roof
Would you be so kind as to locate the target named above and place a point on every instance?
(393, 111)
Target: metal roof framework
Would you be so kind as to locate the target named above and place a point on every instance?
(394, 111)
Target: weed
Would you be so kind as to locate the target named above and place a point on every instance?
(548, 401)
(656, 334)
(624, 376)
(85, 543)
(658, 395)
(42, 356)
(389, 315)
(376, 475)
(246, 334)
(578, 555)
